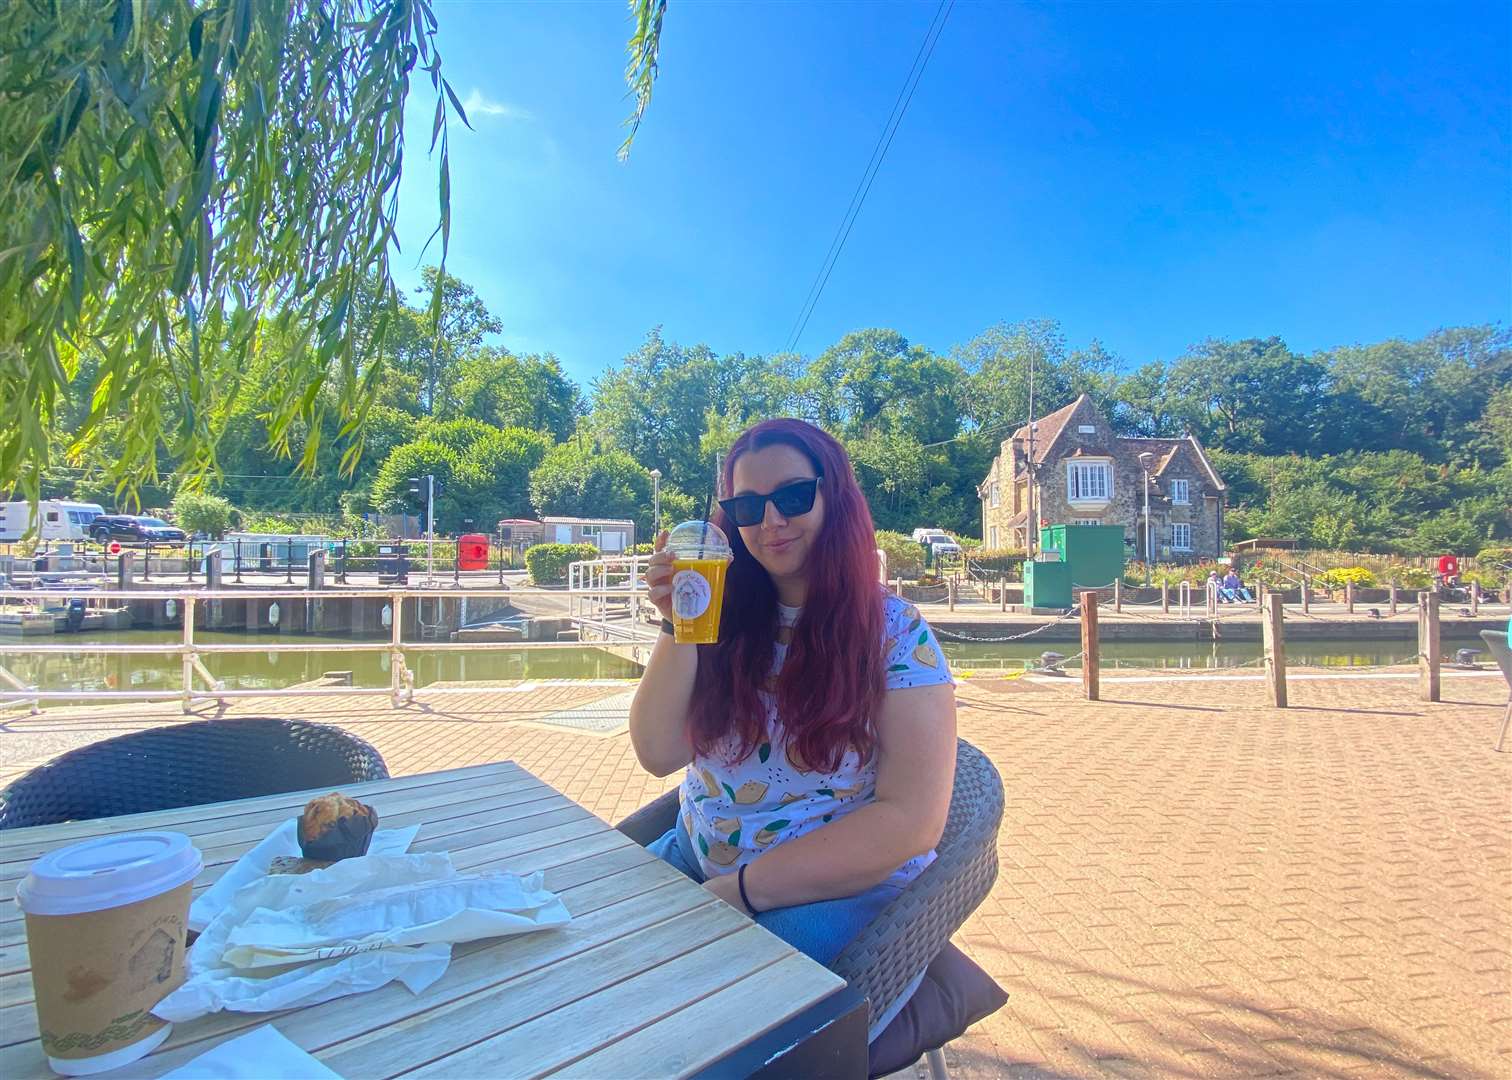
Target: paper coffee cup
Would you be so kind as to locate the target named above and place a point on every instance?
(105, 925)
(700, 555)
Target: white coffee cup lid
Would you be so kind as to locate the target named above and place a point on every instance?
(107, 872)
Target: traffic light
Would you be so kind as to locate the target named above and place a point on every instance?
(417, 490)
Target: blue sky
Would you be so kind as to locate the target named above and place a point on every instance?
(1149, 175)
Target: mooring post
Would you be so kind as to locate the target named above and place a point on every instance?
(1118, 596)
(1428, 646)
(1275, 652)
(950, 592)
(1165, 598)
(1090, 687)
(1393, 596)
(1003, 591)
(1474, 598)
(1349, 598)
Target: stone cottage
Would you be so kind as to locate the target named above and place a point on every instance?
(1084, 474)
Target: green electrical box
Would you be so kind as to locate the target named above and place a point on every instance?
(1095, 553)
(1047, 584)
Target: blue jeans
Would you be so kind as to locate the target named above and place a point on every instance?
(818, 930)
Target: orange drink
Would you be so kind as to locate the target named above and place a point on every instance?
(701, 555)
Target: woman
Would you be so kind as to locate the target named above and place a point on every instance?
(818, 735)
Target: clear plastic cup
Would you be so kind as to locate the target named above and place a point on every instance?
(700, 555)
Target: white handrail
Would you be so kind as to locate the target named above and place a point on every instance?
(588, 581)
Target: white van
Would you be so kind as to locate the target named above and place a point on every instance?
(58, 519)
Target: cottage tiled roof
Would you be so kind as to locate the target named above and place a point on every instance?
(1165, 452)
(1046, 429)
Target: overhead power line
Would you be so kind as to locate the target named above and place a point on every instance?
(869, 174)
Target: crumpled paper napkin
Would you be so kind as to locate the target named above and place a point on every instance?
(291, 940)
(253, 866)
(263, 1053)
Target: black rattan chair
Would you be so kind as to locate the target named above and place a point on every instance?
(1501, 652)
(908, 934)
(186, 765)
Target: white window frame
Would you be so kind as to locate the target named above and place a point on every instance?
(1080, 474)
(1181, 493)
(994, 495)
(1086, 521)
(1179, 530)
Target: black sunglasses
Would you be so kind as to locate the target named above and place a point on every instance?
(791, 500)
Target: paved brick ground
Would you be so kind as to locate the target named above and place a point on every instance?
(1192, 884)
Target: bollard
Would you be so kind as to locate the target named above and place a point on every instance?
(1275, 652)
(1306, 595)
(1090, 688)
(316, 579)
(1474, 598)
(1003, 591)
(1259, 597)
(950, 592)
(1428, 646)
(1393, 596)
(898, 586)
(1118, 596)
(289, 562)
(1165, 597)
(125, 569)
(1349, 598)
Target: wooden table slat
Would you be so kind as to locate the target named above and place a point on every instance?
(649, 961)
(24, 845)
(603, 892)
(518, 1004)
(566, 1033)
(740, 1012)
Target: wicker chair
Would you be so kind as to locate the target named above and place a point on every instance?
(884, 958)
(1501, 652)
(186, 765)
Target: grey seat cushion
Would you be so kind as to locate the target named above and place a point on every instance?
(954, 994)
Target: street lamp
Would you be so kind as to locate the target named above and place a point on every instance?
(1147, 459)
(655, 503)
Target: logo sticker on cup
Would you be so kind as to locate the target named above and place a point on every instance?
(690, 594)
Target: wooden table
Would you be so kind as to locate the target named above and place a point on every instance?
(653, 977)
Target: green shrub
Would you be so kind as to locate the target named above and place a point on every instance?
(1340, 576)
(905, 558)
(1008, 561)
(643, 549)
(1499, 554)
(1411, 577)
(195, 512)
(547, 563)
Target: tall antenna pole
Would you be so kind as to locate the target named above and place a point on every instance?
(1031, 532)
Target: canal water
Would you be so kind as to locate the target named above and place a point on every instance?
(266, 669)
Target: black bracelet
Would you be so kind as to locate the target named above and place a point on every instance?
(744, 899)
(668, 628)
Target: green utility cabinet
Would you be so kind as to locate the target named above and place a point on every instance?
(1047, 584)
(1073, 557)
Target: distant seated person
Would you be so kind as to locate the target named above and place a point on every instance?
(1233, 589)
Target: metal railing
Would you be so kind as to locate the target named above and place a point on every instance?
(607, 599)
(198, 683)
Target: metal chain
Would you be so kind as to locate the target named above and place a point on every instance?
(970, 639)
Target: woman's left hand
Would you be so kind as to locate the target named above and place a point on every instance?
(727, 888)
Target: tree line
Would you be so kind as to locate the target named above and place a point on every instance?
(1393, 446)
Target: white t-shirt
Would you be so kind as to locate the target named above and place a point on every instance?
(734, 812)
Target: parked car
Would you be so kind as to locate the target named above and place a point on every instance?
(56, 519)
(130, 528)
(940, 542)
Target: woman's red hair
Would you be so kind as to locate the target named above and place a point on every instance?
(832, 682)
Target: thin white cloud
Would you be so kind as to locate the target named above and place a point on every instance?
(476, 104)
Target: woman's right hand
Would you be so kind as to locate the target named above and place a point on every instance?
(659, 576)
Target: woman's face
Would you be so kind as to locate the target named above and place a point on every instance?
(780, 544)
